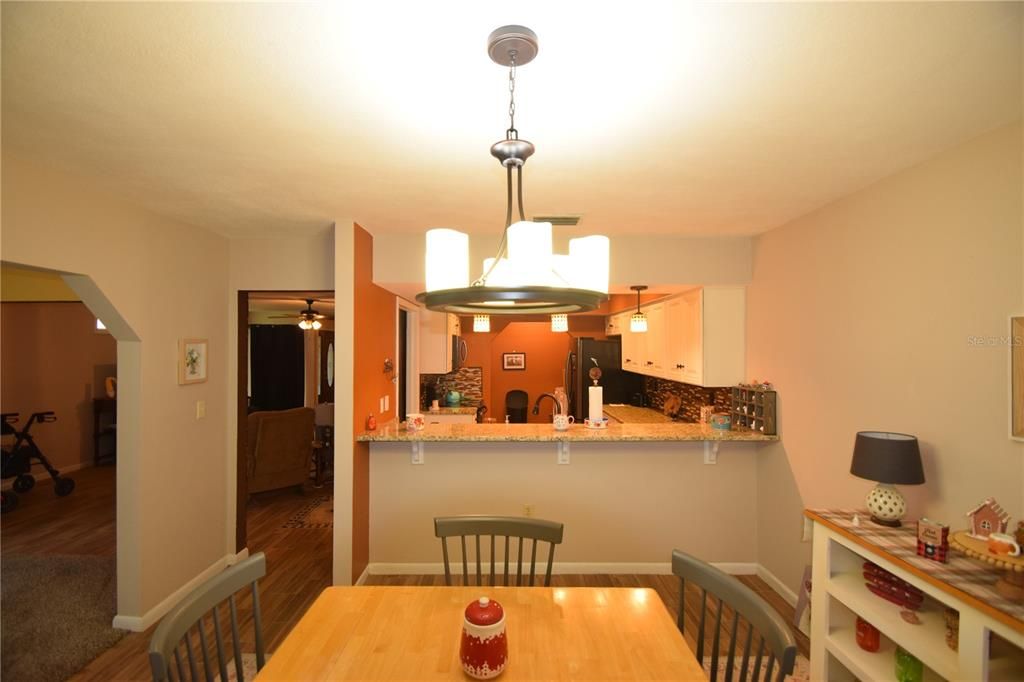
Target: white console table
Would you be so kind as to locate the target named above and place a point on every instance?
(991, 639)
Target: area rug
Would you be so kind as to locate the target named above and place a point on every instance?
(317, 514)
(801, 670)
(55, 612)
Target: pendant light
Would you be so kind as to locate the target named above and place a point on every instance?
(638, 322)
(481, 323)
(560, 322)
(524, 277)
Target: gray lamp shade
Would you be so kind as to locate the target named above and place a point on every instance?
(887, 458)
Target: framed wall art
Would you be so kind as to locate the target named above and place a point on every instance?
(192, 360)
(513, 361)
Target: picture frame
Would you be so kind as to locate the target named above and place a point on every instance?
(513, 362)
(193, 361)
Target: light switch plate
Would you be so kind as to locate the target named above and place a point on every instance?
(387, 403)
(200, 409)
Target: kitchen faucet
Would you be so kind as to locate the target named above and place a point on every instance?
(536, 405)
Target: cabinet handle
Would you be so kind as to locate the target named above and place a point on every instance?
(650, 362)
(680, 366)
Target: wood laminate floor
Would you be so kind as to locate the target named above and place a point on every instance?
(298, 561)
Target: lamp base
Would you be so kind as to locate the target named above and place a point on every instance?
(886, 505)
(886, 522)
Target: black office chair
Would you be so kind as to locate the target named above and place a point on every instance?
(516, 404)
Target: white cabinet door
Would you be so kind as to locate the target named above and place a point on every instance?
(633, 349)
(723, 328)
(435, 342)
(654, 343)
(677, 339)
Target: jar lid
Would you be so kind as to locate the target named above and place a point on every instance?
(484, 611)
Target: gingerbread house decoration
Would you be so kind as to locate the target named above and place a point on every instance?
(988, 517)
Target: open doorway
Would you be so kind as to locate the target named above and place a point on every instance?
(63, 459)
(285, 419)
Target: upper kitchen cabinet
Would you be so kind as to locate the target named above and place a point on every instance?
(616, 324)
(696, 338)
(437, 332)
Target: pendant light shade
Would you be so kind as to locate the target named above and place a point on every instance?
(638, 322)
(560, 323)
(481, 323)
(525, 276)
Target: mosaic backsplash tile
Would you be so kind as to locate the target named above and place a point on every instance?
(469, 381)
(692, 397)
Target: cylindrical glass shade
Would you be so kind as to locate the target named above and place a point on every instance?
(529, 253)
(590, 262)
(447, 259)
(481, 323)
(560, 323)
(501, 276)
(638, 323)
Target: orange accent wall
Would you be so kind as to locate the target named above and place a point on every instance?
(375, 337)
(545, 350)
(53, 359)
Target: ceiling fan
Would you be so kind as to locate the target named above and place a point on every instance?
(308, 318)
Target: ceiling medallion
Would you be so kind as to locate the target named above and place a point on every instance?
(525, 277)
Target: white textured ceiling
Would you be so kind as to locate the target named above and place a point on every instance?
(706, 119)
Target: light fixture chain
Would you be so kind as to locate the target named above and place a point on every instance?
(512, 97)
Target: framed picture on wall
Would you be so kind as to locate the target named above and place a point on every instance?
(192, 360)
(513, 361)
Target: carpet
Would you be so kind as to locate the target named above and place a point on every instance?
(56, 614)
(317, 514)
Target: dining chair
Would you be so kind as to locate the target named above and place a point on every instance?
(761, 620)
(174, 641)
(506, 527)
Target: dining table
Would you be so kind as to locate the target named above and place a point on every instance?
(553, 633)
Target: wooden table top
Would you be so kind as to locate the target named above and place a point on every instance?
(413, 633)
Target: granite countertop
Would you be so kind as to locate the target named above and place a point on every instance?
(675, 431)
(451, 410)
(630, 414)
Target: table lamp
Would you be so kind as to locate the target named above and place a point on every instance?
(887, 458)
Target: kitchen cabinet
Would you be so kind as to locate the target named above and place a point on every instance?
(437, 331)
(697, 337)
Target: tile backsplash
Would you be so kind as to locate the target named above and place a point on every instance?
(469, 381)
(692, 397)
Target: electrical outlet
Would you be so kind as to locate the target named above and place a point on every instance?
(200, 409)
(387, 403)
(528, 510)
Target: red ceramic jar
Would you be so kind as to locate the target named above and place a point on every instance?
(484, 650)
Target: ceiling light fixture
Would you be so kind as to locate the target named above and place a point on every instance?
(481, 323)
(638, 322)
(524, 277)
(560, 322)
(309, 318)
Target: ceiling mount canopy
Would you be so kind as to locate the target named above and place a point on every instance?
(524, 277)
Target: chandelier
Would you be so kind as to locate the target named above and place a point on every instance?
(525, 276)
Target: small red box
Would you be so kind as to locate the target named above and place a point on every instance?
(933, 540)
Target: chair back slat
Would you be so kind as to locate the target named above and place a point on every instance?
(746, 654)
(175, 631)
(773, 633)
(207, 668)
(479, 578)
(768, 672)
(222, 661)
(522, 529)
(700, 626)
(731, 656)
(715, 650)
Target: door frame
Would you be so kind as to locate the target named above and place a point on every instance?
(412, 347)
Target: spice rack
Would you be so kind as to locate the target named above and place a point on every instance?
(753, 408)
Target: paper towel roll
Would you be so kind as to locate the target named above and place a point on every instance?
(596, 404)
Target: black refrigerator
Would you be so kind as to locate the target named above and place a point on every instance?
(619, 386)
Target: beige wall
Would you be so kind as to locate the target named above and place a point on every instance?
(166, 280)
(862, 312)
(621, 503)
(52, 358)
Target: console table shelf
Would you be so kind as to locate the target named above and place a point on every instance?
(991, 628)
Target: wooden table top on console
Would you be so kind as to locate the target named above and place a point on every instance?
(970, 580)
(413, 633)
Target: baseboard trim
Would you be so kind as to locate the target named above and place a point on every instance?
(44, 475)
(560, 568)
(776, 584)
(143, 622)
(363, 576)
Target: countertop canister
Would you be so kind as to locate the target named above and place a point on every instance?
(484, 649)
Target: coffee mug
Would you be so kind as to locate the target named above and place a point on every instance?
(562, 422)
(1003, 544)
(415, 422)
